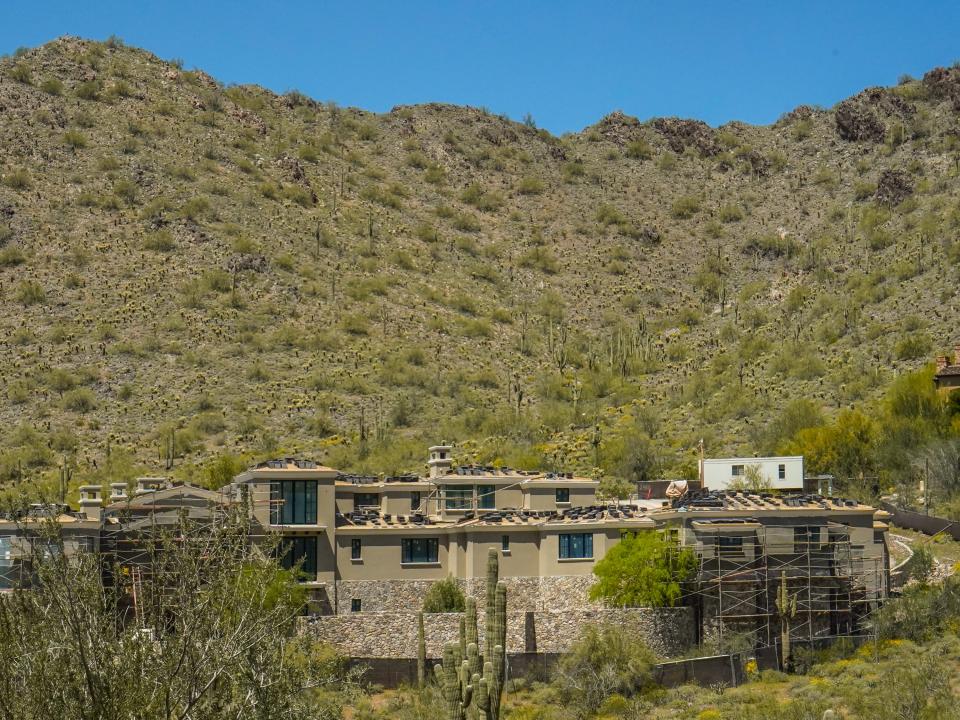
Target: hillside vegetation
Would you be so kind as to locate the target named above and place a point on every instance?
(263, 273)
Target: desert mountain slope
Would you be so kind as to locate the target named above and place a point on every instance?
(264, 273)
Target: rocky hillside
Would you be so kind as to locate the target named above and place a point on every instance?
(263, 273)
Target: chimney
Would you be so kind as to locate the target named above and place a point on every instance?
(118, 492)
(440, 461)
(941, 362)
(91, 502)
(956, 354)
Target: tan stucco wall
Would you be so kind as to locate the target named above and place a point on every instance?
(381, 555)
(550, 562)
(522, 560)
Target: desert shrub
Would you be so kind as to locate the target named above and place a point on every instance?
(388, 197)
(465, 222)
(485, 200)
(864, 190)
(18, 179)
(541, 259)
(11, 256)
(444, 596)
(912, 346)
(299, 195)
(21, 73)
(355, 324)
(771, 246)
(667, 162)
(80, 400)
(801, 129)
(195, 208)
(74, 139)
(52, 86)
(30, 292)
(418, 160)
(602, 662)
(609, 215)
(160, 241)
(639, 150)
(731, 213)
(685, 207)
(530, 185)
(88, 90)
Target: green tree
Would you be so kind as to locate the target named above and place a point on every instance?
(615, 488)
(845, 448)
(796, 415)
(644, 570)
(444, 596)
(221, 470)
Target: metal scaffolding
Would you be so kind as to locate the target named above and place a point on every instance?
(833, 584)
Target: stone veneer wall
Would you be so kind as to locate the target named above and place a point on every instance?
(551, 593)
(668, 631)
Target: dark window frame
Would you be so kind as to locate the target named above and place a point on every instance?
(561, 495)
(458, 497)
(729, 545)
(294, 549)
(782, 471)
(420, 551)
(356, 549)
(486, 497)
(293, 502)
(415, 501)
(575, 546)
(805, 537)
(369, 500)
(356, 605)
(505, 543)
(738, 470)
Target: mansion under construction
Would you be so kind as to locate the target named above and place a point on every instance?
(376, 544)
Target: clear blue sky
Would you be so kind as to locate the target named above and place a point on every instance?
(566, 63)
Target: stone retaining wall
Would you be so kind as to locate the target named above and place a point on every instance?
(667, 631)
(560, 592)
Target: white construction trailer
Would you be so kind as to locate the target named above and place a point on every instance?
(774, 473)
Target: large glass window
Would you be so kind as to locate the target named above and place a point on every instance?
(293, 502)
(576, 546)
(806, 538)
(563, 495)
(420, 550)
(6, 562)
(365, 500)
(729, 546)
(301, 550)
(458, 498)
(486, 500)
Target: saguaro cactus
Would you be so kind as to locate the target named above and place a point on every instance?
(466, 677)
(787, 607)
(453, 676)
(421, 652)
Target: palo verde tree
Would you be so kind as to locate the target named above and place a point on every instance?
(209, 636)
(643, 570)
